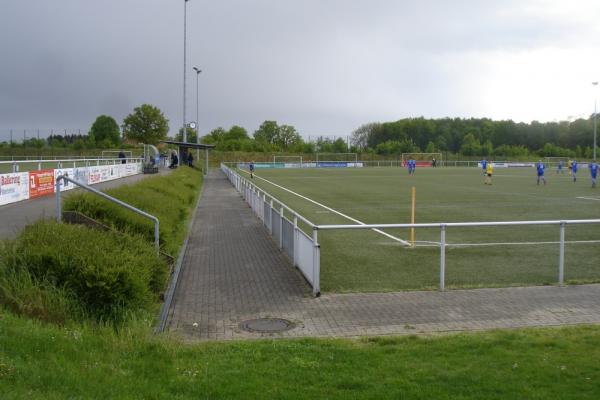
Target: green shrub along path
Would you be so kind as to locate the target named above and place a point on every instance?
(60, 272)
(170, 198)
(40, 361)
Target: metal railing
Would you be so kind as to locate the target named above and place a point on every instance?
(443, 243)
(60, 162)
(253, 194)
(301, 248)
(109, 198)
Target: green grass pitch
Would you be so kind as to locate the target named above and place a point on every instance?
(363, 260)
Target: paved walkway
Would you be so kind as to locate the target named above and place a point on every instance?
(15, 216)
(232, 272)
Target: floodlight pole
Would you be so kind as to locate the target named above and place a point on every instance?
(184, 67)
(197, 120)
(595, 116)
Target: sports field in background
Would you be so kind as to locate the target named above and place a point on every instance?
(363, 260)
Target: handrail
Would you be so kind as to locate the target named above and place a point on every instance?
(459, 224)
(259, 189)
(109, 198)
(61, 160)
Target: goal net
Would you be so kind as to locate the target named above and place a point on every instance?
(554, 161)
(288, 161)
(115, 153)
(423, 159)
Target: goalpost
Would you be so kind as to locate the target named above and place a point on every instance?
(423, 159)
(293, 160)
(118, 151)
(341, 157)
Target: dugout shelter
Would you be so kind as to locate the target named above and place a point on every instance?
(184, 148)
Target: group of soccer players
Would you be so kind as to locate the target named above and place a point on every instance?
(541, 167)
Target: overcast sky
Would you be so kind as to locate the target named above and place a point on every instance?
(324, 66)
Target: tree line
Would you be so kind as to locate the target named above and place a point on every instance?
(481, 137)
(477, 137)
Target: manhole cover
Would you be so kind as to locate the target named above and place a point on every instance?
(267, 325)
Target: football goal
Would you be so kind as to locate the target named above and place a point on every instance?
(115, 153)
(423, 159)
(294, 161)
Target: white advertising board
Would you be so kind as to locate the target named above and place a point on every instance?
(14, 187)
(94, 175)
(69, 172)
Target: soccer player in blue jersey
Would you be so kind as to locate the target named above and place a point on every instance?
(540, 172)
(593, 172)
(251, 168)
(559, 169)
(483, 166)
(574, 168)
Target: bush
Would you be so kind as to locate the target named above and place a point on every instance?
(169, 198)
(106, 272)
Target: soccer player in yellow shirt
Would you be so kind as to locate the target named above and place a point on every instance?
(488, 174)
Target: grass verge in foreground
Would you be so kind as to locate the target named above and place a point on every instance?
(45, 362)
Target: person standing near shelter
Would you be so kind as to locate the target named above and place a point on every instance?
(190, 159)
(489, 169)
(540, 172)
(593, 172)
(251, 168)
(122, 157)
(574, 168)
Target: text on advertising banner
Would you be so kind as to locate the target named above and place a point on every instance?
(14, 187)
(41, 183)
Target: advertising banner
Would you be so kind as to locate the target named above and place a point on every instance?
(41, 183)
(114, 171)
(14, 187)
(94, 175)
(81, 174)
(104, 173)
(65, 185)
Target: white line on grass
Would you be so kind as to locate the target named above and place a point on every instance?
(589, 198)
(404, 242)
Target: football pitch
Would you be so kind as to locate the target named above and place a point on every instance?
(365, 260)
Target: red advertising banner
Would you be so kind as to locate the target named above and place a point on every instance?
(41, 183)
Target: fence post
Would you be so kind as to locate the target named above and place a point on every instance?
(295, 240)
(561, 256)
(271, 218)
(281, 227)
(316, 265)
(58, 205)
(442, 257)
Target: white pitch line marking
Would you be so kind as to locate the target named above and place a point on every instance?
(589, 198)
(437, 244)
(404, 242)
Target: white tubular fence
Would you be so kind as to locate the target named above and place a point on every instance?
(305, 251)
(302, 249)
(68, 162)
(443, 239)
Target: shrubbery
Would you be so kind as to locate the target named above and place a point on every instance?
(58, 272)
(105, 271)
(169, 198)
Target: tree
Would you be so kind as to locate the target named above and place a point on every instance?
(236, 133)
(146, 124)
(287, 136)
(191, 135)
(360, 136)
(215, 136)
(105, 130)
(267, 132)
